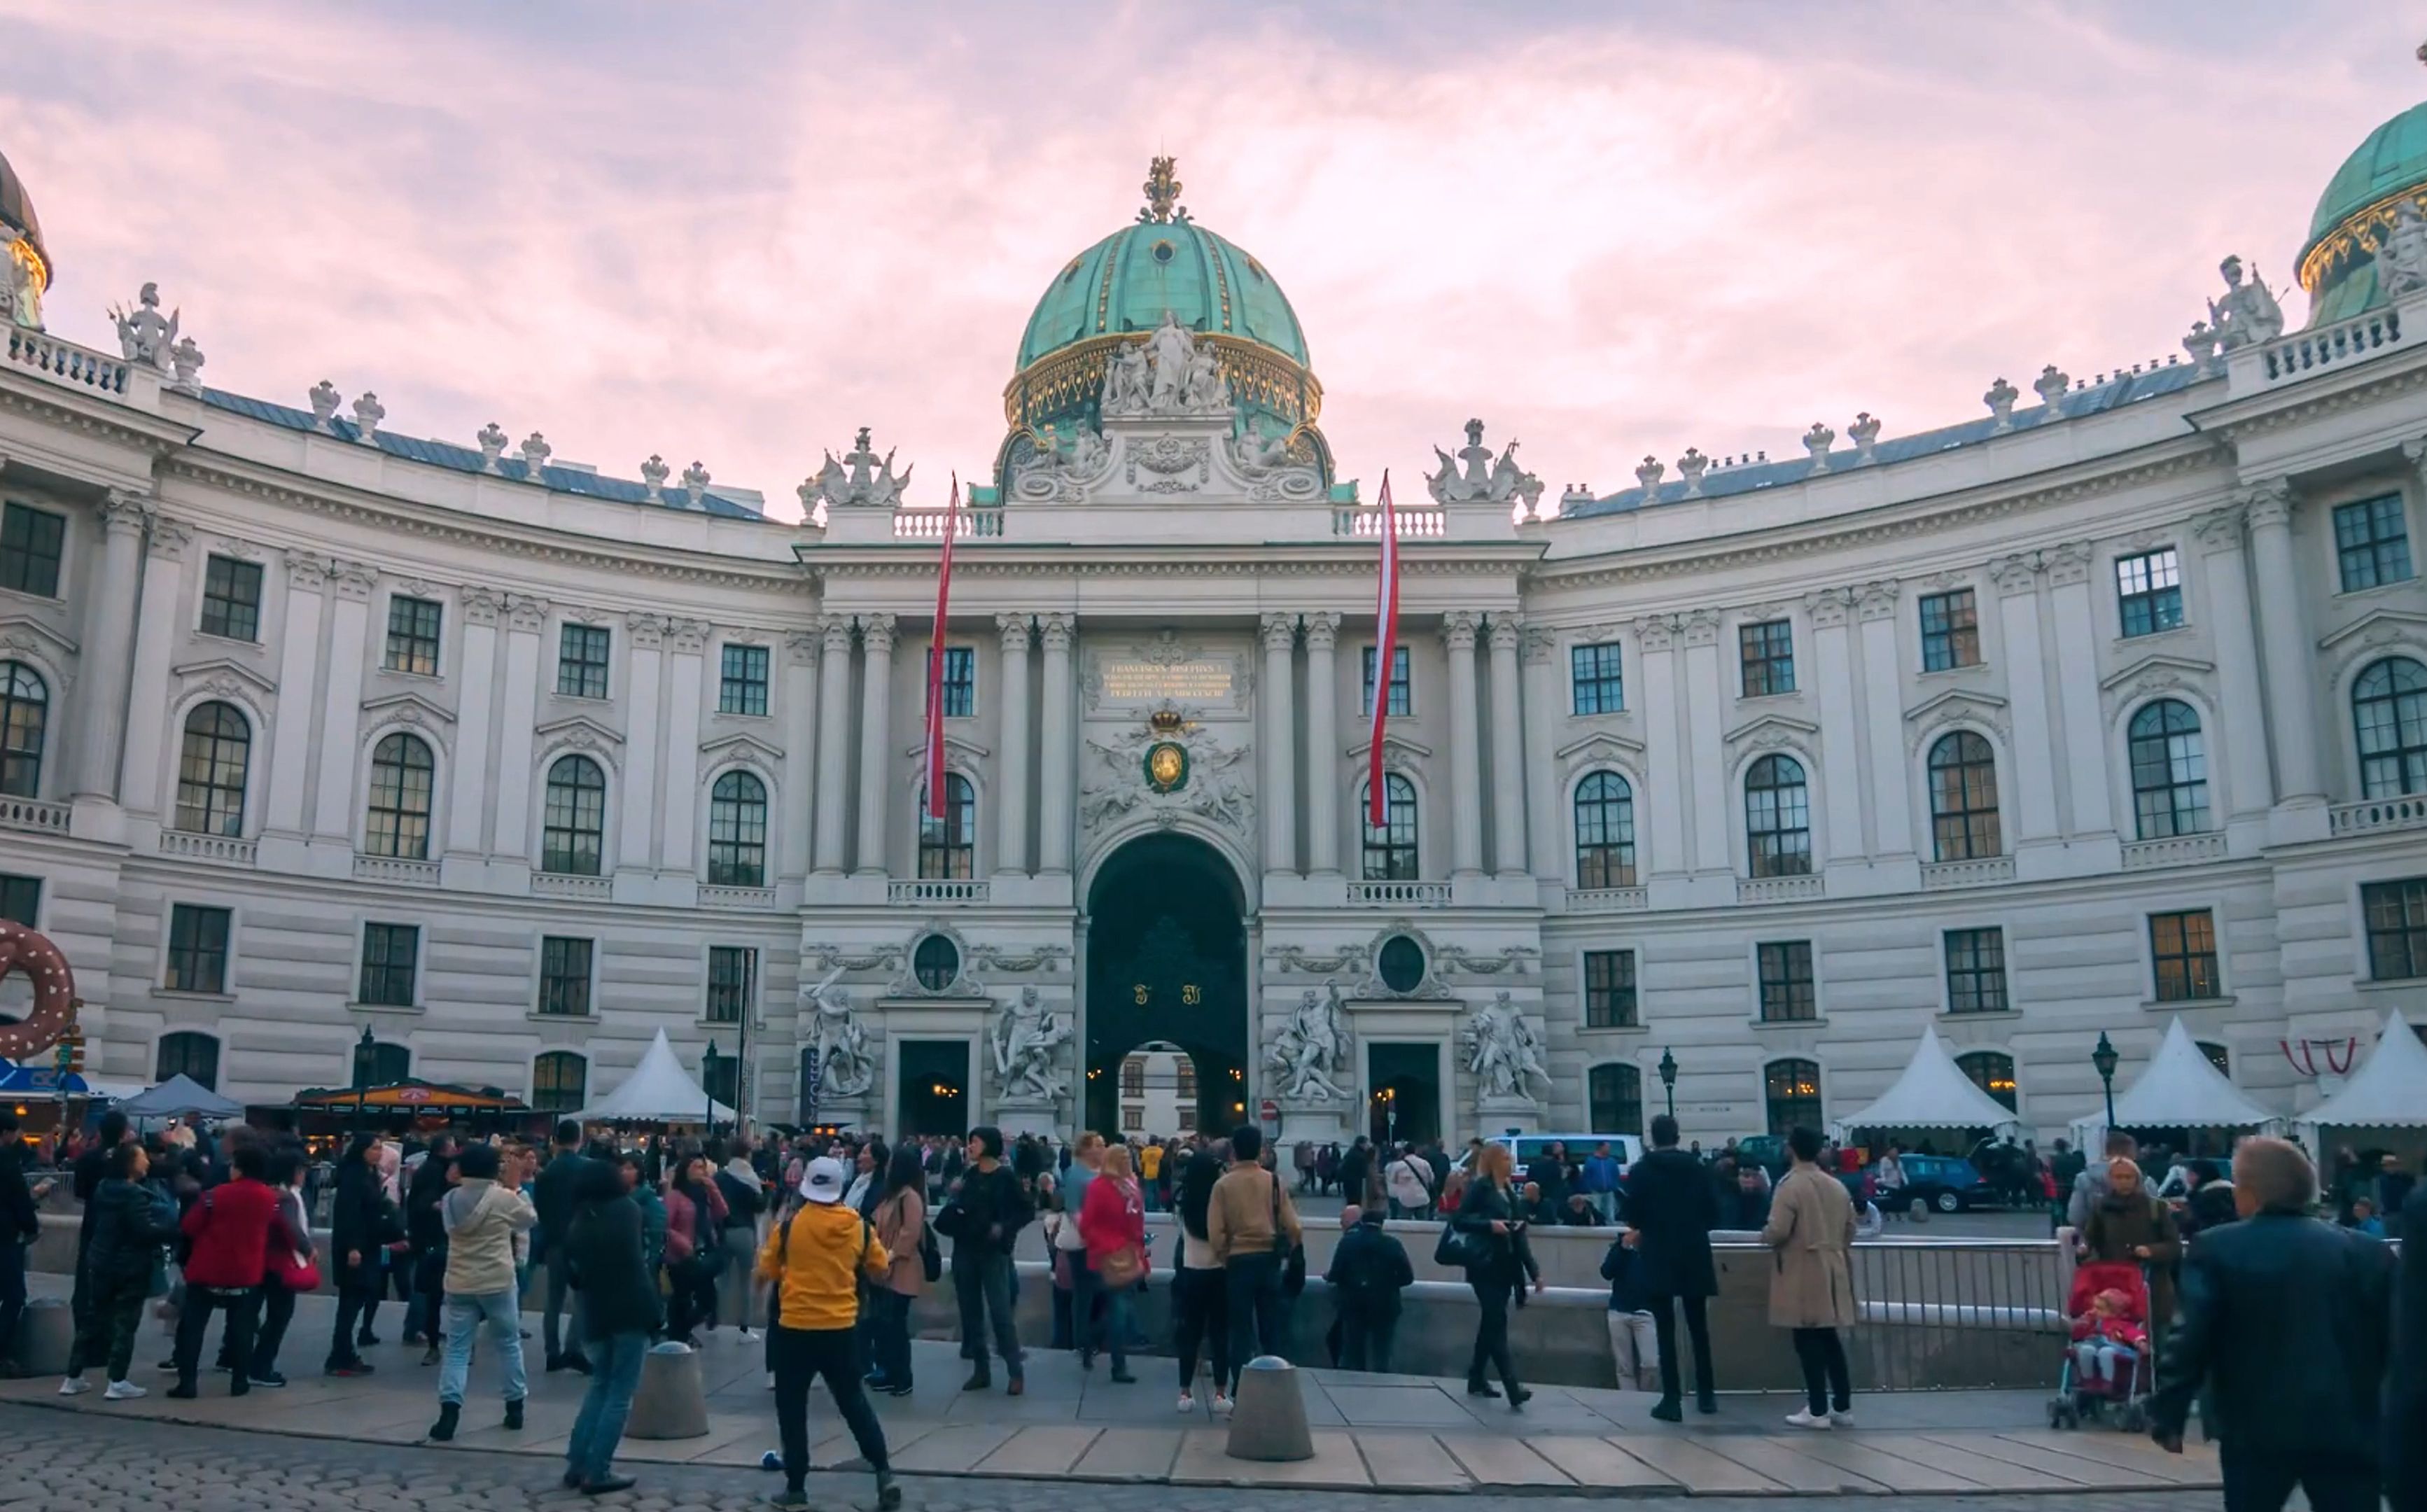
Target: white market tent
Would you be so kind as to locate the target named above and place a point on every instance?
(657, 1091)
(2388, 1091)
(176, 1097)
(2179, 1088)
(1932, 1093)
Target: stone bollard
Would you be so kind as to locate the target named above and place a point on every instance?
(671, 1402)
(1268, 1416)
(46, 1336)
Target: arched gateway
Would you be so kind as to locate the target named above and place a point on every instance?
(1167, 961)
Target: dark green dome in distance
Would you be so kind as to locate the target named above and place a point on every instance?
(2355, 212)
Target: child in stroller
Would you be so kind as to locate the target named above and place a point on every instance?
(2107, 1361)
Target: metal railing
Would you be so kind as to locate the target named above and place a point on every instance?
(1953, 1315)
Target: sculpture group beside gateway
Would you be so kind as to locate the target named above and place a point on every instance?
(2105, 705)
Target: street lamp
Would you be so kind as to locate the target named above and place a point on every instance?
(707, 1059)
(1668, 1079)
(2104, 1058)
(366, 1052)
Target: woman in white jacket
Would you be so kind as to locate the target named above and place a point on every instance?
(483, 1215)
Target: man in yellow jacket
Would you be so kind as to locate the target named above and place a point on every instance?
(815, 1259)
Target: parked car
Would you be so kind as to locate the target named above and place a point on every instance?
(1947, 1183)
(1769, 1151)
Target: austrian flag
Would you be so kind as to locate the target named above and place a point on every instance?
(1386, 646)
(935, 763)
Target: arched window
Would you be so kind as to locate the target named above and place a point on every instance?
(2389, 709)
(948, 846)
(1605, 832)
(560, 1082)
(1391, 848)
(211, 771)
(1778, 818)
(1993, 1072)
(573, 830)
(399, 823)
(187, 1054)
(25, 714)
(736, 832)
(1963, 798)
(1615, 1094)
(2169, 771)
(1792, 1090)
(390, 1064)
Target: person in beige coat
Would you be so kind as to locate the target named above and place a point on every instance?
(1810, 1229)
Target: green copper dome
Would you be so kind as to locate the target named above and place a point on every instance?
(1125, 282)
(2338, 267)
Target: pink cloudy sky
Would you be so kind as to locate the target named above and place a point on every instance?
(735, 232)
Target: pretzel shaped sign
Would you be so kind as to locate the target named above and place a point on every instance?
(21, 950)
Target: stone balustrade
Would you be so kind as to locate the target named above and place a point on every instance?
(1399, 894)
(557, 885)
(928, 525)
(2348, 341)
(396, 870)
(225, 850)
(32, 814)
(936, 890)
(1776, 889)
(1423, 522)
(2379, 814)
(2174, 851)
(1941, 876)
(1607, 900)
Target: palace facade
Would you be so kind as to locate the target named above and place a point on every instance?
(2106, 706)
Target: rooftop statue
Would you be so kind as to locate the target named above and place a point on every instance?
(1165, 372)
(861, 477)
(2402, 255)
(2248, 313)
(20, 304)
(143, 334)
(1162, 193)
(1485, 478)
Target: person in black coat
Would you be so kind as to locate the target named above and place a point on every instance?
(21, 1224)
(1489, 1212)
(618, 1312)
(552, 1193)
(2281, 1308)
(2405, 1383)
(91, 1167)
(132, 1221)
(1369, 1270)
(1672, 1206)
(356, 1215)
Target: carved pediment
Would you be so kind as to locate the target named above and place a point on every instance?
(2383, 626)
(742, 748)
(953, 746)
(23, 634)
(1600, 745)
(1775, 730)
(407, 709)
(2159, 665)
(1927, 719)
(224, 674)
(1399, 753)
(580, 733)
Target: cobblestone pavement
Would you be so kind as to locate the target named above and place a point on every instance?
(53, 1460)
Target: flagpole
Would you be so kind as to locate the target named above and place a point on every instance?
(1386, 646)
(935, 753)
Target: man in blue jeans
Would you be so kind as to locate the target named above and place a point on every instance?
(1600, 1182)
(618, 1311)
(483, 1214)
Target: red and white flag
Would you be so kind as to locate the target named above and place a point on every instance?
(1386, 648)
(934, 766)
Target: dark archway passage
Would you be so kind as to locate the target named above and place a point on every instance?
(1167, 960)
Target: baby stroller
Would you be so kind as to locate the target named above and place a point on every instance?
(2110, 1302)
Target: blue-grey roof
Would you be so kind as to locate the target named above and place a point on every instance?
(467, 460)
(2117, 392)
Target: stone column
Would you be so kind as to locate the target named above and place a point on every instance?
(468, 777)
(1507, 751)
(678, 799)
(834, 748)
(646, 703)
(106, 662)
(1664, 722)
(156, 645)
(299, 661)
(1059, 743)
(1541, 771)
(1831, 610)
(2248, 783)
(2291, 668)
(798, 718)
(1875, 605)
(2017, 579)
(1707, 760)
(341, 713)
(875, 742)
(1464, 795)
(1011, 772)
(2089, 796)
(1323, 753)
(526, 617)
(1279, 738)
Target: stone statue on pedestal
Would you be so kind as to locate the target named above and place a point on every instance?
(846, 1067)
(860, 478)
(144, 336)
(1503, 1053)
(2248, 314)
(1022, 1042)
(2401, 256)
(1486, 479)
(1310, 1053)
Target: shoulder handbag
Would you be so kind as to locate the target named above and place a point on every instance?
(931, 1254)
(1292, 1253)
(1122, 1268)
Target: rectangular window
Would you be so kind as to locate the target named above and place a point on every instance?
(1609, 989)
(1768, 650)
(1786, 995)
(2149, 589)
(1950, 630)
(742, 688)
(1187, 1080)
(1187, 1118)
(390, 959)
(232, 598)
(1402, 701)
(1976, 972)
(1133, 1077)
(30, 542)
(20, 899)
(2184, 948)
(1594, 674)
(732, 978)
(413, 635)
(198, 949)
(564, 976)
(2372, 543)
(1133, 1117)
(960, 682)
(581, 661)
(2397, 928)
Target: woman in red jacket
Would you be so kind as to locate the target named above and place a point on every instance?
(230, 1226)
(1112, 1222)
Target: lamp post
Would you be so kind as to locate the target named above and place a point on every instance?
(707, 1059)
(2104, 1057)
(366, 1051)
(1668, 1079)
(1390, 1117)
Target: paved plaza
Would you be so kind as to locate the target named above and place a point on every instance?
(1397, 1434)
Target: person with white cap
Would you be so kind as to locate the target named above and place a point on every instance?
(816, 1259)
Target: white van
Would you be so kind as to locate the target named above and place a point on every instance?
(1524, 1149)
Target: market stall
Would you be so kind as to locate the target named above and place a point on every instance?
(180, 1097)
(658, 1090)
(324, 1115)
(2181, 1100)
(2384, 1101)
(1930, 1097)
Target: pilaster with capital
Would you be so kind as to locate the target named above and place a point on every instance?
(2017, 577)
(1465, 790)
(519, 718)
(1323, 752)
(2290, 667)
(1507, 750)
(1011, 772)
(1276, 738)
(107, 665)
(143, 753)
(2074, 619)
(471, 769)
(2250, 784)
(686, 694)
(644, 703)
(1875, 606)
(1538, 680)
(1706, 762)
(834, 748)
(1057, 745)
(1664, 726)
(876, 766)
(797, 717)
(1842, 718)
(349, 588)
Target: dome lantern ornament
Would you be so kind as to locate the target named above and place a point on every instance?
(1163, 206)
